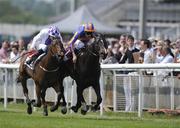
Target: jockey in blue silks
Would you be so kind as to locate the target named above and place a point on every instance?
(81, 37)
(41, 41)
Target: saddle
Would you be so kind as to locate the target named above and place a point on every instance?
(30, 55)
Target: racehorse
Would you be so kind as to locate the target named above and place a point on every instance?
(86, 71)
(45, 75)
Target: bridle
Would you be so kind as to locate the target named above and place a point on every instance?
(59, 55)
(98, 42)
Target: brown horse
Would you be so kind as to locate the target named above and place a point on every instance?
(45, 74)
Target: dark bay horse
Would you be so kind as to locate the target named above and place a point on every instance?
(86, 71)
(45, 74)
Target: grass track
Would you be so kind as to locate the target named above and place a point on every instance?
(15, 117)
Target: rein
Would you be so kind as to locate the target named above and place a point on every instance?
(92, 52)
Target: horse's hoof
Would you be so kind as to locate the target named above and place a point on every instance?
(28, 102)
(33, 101)
(64, 110)
(36, 104)
(74, 109)
(53, 108)
(45, 113)
(83, 112)
(94, 108)
(29, 110)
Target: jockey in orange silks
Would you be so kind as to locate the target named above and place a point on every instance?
(81, 37)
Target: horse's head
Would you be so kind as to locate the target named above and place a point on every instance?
(56, 49)
(100, 45)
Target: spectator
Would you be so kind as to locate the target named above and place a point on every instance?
(126, 56)
(146, 54)
(115, 51)
(137, 44)
(167, 58)
(157, 49)
(4, 55)
(22, 47)
(177, 52)
(14, 54)
(110, 59)
(166, 53)
(122, 40)
(168, 44)
(127, 52)
(123, 48)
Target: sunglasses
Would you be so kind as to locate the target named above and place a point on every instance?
(89, 33)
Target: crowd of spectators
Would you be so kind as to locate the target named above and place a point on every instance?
(129, 50)
(126, 49)
(10, 51)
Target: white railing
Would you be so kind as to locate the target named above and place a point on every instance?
(5, 68)
(139, 68)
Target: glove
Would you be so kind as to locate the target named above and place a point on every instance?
(80, 30)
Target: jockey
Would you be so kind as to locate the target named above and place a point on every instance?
(41, 41)
(81, 37)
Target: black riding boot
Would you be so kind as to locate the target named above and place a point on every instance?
(34, 57)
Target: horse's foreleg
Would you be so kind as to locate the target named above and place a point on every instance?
(25, 91)
(84, 107)
(60, 94)
(64, 108)
(55, 106)
(99, 98)
(38, 94)
(79, 99)
(43, 94)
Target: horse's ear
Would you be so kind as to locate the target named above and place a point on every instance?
(104, 41)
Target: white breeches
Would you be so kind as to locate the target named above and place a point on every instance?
(43, 47)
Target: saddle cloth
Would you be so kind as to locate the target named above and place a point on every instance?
(30, 55)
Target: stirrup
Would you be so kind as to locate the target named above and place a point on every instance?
(30, 65)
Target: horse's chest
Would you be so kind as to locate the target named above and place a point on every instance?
(49, 79)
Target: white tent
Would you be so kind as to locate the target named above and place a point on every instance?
(83, 15)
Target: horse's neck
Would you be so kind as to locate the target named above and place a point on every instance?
(89, 59)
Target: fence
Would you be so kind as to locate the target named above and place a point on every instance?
(123, 86)
(150, 86)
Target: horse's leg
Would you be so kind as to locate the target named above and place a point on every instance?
(79, 98)
(63, 108)
(38, 95)
(55, 106)
(84, 107)
(98, 94)
(25, 91)
(60, 94)
(43, 94)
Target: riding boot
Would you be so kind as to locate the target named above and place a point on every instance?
(35, 56)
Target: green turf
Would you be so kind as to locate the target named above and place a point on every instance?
(15, 116)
